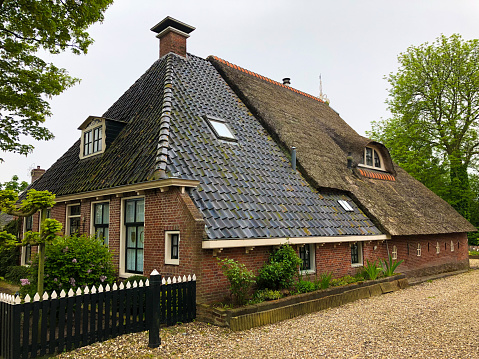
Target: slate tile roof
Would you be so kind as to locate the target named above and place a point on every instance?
(247, 188)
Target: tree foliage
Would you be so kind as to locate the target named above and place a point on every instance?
(27, 26)
(14, 185)
(434, 101)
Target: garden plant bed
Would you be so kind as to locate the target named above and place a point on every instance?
(285, 308)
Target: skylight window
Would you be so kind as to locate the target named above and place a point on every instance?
(220, 128)
(346, 206)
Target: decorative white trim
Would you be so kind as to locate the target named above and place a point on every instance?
(375, 150)
(258, 242)
(168, 259)
(120, 190)
(312, 259)
(93, 123)
(360, 256)
(92, 215)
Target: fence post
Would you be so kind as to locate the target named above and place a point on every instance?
(152, 312)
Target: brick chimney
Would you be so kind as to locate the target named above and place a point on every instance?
(172, 34)
(36, 173)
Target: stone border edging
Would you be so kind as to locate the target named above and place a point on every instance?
(286, 308)
(473, 256)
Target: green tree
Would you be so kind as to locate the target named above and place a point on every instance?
(434, 101)
(33, 202)
(27, 26)
(14, 185)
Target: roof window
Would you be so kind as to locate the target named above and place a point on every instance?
(220, 128)
(346, 206)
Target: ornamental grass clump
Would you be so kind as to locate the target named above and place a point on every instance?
(390, 266)
(73, 262)
(372, 270)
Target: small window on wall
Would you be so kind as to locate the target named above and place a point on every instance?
(28, 223)
(356, 254)
(135, 239)
(395, 253)
(452, 246)
(73, 218)
(418, 250)
(101, 212)
(307, 255)
(438, 248)
(172, 247)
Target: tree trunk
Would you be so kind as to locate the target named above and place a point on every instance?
(459, 187)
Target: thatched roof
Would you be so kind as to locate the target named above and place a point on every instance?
(400, 205)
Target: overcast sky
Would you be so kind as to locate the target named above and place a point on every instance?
(352, 43)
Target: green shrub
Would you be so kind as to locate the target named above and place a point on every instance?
(324, 280)
(266, 294)
(390, 266)
(240, 278)
(304, 286)
(279, 272)
(338, 282)
(15, 273)
(73, 262)
(8, 257)
(372, 270)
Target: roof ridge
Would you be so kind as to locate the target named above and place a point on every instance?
(266, 78)
(165, 118)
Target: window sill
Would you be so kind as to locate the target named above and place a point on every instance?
(355, 265)
(309, 271)
(372, 167)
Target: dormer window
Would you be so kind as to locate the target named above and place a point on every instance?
(373, 159)
(93, 136)
(92, 141)
(97, 134)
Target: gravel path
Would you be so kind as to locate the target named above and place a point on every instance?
(436, 319)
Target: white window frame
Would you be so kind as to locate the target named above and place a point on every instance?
(168, 259)
(438, 248)
(419, 250)
(92, 219)
(122, 270)
(360, 255)
(378, 153)
(67, 216)
(312, 259)
(452, 246)
(394, 254)
(94, 124)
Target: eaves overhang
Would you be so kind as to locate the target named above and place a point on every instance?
(257, 242)
(162, 184)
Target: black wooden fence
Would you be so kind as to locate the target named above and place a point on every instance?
(75, 319)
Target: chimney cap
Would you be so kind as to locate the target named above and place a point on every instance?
(170, 22)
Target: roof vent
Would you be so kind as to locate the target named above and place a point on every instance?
(172, 34)
(287, 81)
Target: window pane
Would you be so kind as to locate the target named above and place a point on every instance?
(29, 223)
(141, 237)
(106, 213)
(130, 259)
(131, 237)
(75, 210)
(105, 236)
(98, 213)
(139, 260)
(377, 160)
(221, 129)
(74, 225)
(174, 246)
(130, 212)
(354, 253)
(369, 156)
(140, 211)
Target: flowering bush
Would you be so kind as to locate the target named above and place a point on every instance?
(73, 262)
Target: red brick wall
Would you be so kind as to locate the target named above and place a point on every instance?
(173, 42)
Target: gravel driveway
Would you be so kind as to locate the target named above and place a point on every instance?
(438, 319)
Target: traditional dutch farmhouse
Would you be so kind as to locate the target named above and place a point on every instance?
(196, 162)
